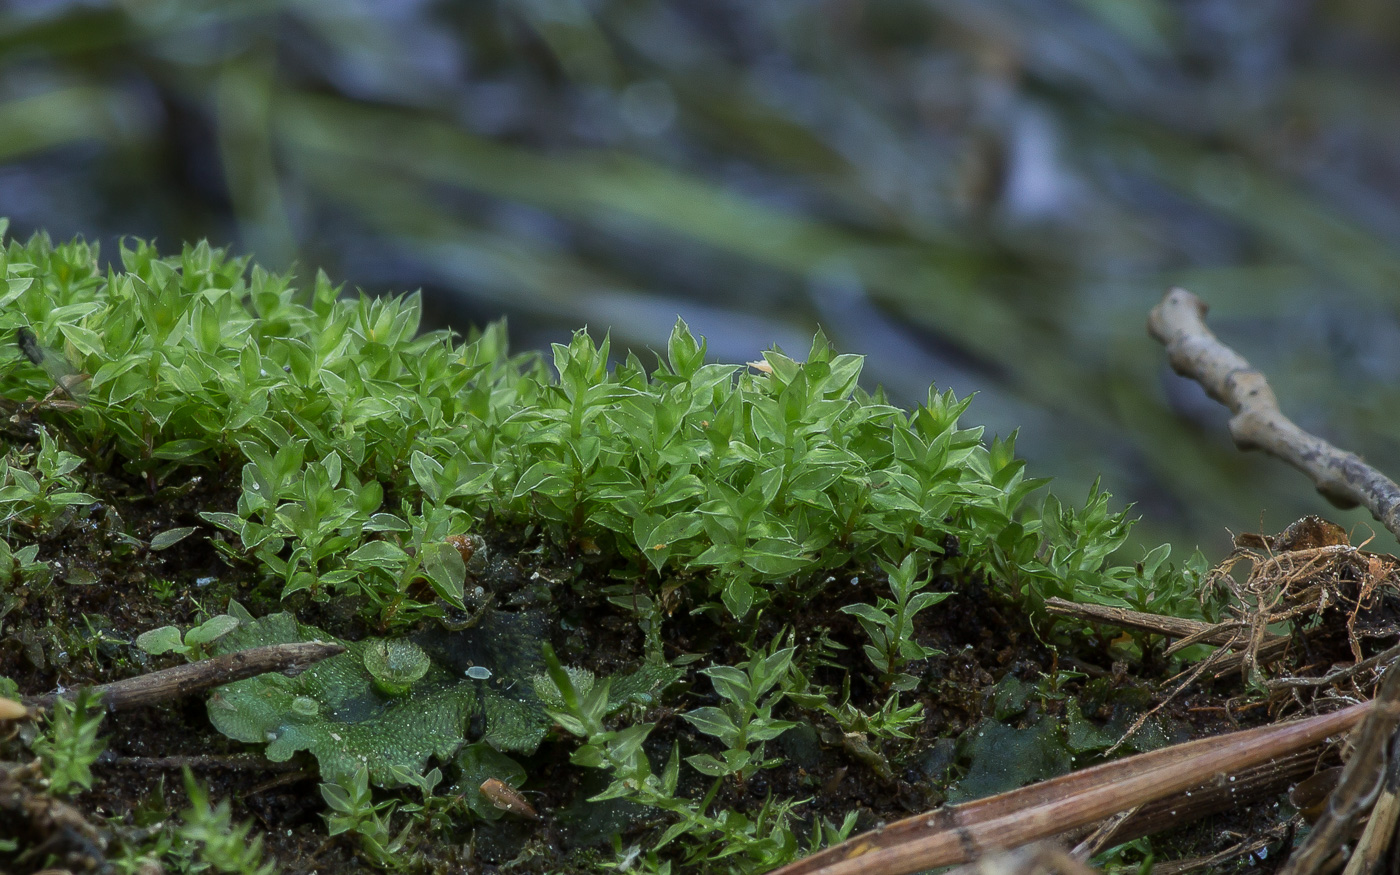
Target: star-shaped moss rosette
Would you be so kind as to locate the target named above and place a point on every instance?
(377, 705)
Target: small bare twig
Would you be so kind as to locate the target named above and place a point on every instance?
(291, 776)
(1178, 322)
(1224, 634)
(1211, 863)
(1385, 657)
(173, 683)
(1102, 834)
(1161, 624)
(1191, 677)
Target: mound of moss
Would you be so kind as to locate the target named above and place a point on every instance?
(764, 551)
(747, 481)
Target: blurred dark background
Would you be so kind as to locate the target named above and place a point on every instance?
(987, 196)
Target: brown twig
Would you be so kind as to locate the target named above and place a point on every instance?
(1190, 678)
(961, 833)
(1161, 624)
(1224, 634)
(172, 683)
(1244, 786)
(1178, 322)
(1103, 833)
(1385, 657)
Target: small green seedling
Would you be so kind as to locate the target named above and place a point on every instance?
(39, 490)
(353, 810)
(745, 722)
(163, 589)
(438, 810)
(192, 645)
(889, 623)
(22, 567)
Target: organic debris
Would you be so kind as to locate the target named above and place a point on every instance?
(1338, 601)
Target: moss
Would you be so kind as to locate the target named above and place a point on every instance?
(754, 547)
(744, 483)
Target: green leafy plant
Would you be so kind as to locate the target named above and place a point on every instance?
(69, 744)
(38, 489)
(890, 721)
(890, 623)
(395, 665)
(201, 838)
(435, 810)
(750, 484)
(1074, 562)
(744, 722)
(863, 734)
(353, 810)
(96, 639)
(22, 567)
(195, 641)
(336, 710)
(163, 589)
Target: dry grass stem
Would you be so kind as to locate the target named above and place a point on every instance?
(961, 833)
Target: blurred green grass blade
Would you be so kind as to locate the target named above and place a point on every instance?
(572, 184)
(54, 118)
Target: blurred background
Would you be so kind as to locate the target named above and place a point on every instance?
(983, 196)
